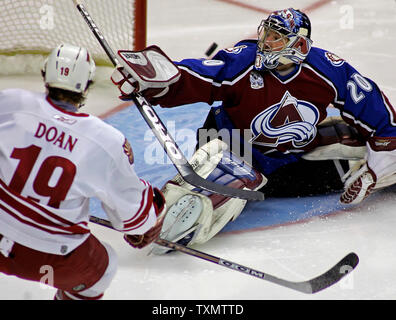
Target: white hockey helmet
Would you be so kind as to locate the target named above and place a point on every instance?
(69, 67)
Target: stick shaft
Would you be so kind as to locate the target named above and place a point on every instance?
(323, 281)
(160, 131)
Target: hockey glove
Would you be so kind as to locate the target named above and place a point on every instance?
(139, 241)
(149, 72)
(359, 186)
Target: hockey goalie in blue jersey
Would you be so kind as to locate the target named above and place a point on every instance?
(280, 89)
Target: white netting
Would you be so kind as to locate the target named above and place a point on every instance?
(33, 27)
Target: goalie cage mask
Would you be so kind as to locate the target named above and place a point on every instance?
(289, 31)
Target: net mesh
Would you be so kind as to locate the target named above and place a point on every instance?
(30, 29)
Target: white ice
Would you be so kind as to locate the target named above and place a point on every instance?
(362, 32)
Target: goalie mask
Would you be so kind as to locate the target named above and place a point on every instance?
(69, 68)
(283, 38)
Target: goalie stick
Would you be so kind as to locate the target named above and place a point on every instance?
(323, 281)
(167, 142)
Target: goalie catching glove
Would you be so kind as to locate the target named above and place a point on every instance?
(196, 215)
(149, 72)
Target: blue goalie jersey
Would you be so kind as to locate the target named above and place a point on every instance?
(283, 112)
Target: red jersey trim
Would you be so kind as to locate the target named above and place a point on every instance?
(38, 217)
(141, 216)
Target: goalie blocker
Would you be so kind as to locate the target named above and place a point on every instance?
(195, 215)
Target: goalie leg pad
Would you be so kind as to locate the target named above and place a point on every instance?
(337, 141)
(188, 212)
(385, 181)
(382, 160)
(232, 172)
(214, 163)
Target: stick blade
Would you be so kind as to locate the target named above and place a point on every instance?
(335, 274)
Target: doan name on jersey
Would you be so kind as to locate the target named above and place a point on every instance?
(56, 137)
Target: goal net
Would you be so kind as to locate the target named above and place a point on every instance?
(30, 29)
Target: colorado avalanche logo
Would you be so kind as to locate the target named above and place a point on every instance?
(289, 121)
(334, 59)
(235, 50)
(256, 80)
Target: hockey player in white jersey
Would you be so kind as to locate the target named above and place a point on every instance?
(52, 160)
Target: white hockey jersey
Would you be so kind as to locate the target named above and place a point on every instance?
(51, 162)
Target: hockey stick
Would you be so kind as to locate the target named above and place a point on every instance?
(323, 281)
(167, 142)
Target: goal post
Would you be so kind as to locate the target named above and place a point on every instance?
(32, 28)
(140, 25)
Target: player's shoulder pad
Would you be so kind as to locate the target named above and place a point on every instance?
(17, 99)
(16, 94)
(111, 141)
(324, 59)
(331, 67)
(13, 91)
(242, 53)
(225, 64)
(246, 47)
(105, 134)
